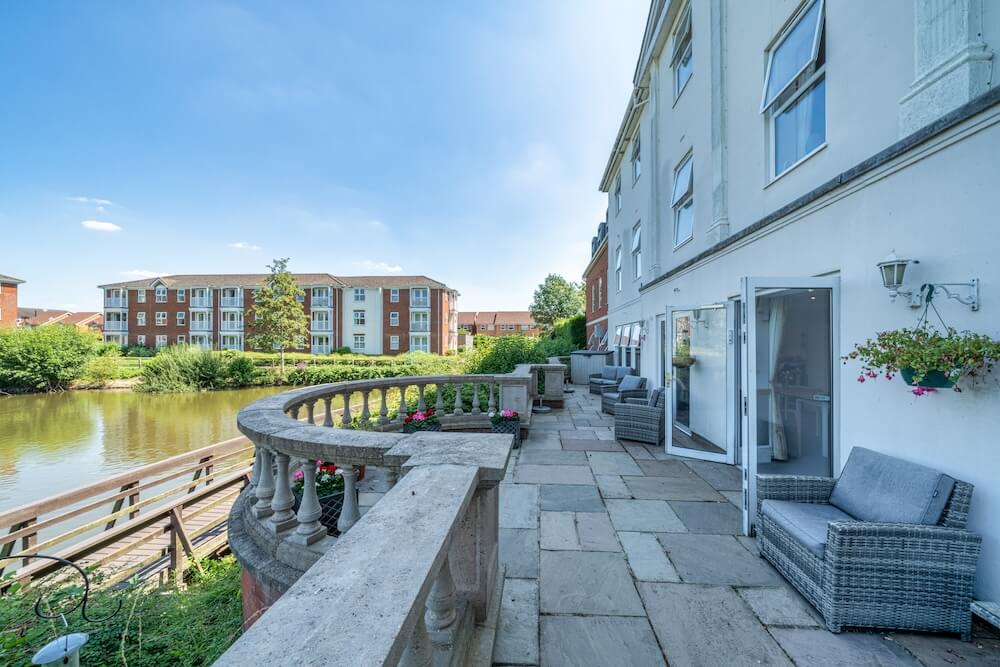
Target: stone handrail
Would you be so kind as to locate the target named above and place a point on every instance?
(412, 580)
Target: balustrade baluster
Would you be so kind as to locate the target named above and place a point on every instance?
(254, 478)
(383, 411)
(328, 411)
(295, 410)
(265, 485)
(440, 616)
(458, 400)
(282, 516)
(439, 399)
(349, 514)
(475, 398)
(403, 409)
(310, 529)
(365, 412)
(491, 406)
(345, 420)
(418, 652)
(311, 412)
(421, 404)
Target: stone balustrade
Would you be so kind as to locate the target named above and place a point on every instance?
(415, 580)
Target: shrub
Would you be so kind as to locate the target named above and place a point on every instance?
(44, 358)
(139, 351)
(500, 354)
(183, 368)
(101, 369)
(241, 371)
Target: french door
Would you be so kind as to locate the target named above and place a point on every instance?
(789, 380)
(699, 352)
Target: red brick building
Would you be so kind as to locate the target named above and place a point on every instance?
(499, 323)
(8, 300)
(595, 285)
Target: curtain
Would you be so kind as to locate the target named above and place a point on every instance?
(776, 329)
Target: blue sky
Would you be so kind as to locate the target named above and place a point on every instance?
(460, 140)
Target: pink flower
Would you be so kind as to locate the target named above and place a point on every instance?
(861, 378)
(297, 475)
(958, 389)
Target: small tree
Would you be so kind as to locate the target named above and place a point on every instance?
(277, 317)
(556, 299)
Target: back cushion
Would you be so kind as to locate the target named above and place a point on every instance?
(877, 487)
(609, 372)
(624, 371)
(656, 398)
(630, 382)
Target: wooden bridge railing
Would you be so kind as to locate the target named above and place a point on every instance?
(146, 521)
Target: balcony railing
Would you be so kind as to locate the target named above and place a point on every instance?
(201, 302)
(115, 302)
(115, 326)
(231, 302)
(321, 326)
(201, 325)
(416, 578)
(320, 349)
(420, 303)
(420, 326)
(230, 325)
(320, 302)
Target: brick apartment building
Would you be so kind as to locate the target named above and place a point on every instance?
(595, 285)
(42, 317)
(499, 323)
(8, 300)
(369, 314)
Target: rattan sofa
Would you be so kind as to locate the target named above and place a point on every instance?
(629, 387)
(610, 376)
(883, 546)
(641, 418)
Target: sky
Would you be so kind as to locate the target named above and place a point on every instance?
(460, 140)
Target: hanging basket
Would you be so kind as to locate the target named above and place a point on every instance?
(931, 379)
(682, 362)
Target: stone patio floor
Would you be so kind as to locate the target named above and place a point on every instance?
(618, 554)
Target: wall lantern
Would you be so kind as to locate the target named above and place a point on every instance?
(892, 269)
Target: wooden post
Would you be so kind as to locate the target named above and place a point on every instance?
(132, 500)
(181, 548)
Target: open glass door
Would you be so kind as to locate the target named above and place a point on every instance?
(700, 414)
(789, 379)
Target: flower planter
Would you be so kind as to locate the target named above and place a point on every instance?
(331, 506)
(410, 428)
(682, 362)
(513, 427)
(931, 379)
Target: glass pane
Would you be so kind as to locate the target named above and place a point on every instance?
(794, 382)
(793, 53)
(700, 386)
(800, 128)
(685, 223)
(685, 67)
(682, 182)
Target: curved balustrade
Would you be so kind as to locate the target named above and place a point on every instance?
(414, 579)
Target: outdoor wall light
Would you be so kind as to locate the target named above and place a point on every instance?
(893, 269)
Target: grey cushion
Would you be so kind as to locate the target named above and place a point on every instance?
(806, 522)
(877, 487)
(605, 383)
(631, 382)
(654, 397)
(609, 372)
(624, 371)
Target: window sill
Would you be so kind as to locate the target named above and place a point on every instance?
(683, 243)
(677, 95)
(795, 164)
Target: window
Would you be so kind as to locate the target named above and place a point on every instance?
(593, 297)
(359, 342)
(359, 318)
(181, 339)
(394, 319)
(419, 344)
(794, 96)
(420, 321)
(682, 201)
(161, 341)
(682, 57)
(618, 267)
(140, 296)
(161, 294)
(618, 193)
(636, 158)
(420, 297)
(636, 252)
(161, 319)
(394, 295)
(140, 341)
(180, 318)
(600, 292)
(489, 327)
(140, 319)
(181, 295)
(359, 294)
(525, 327)
(393, 342)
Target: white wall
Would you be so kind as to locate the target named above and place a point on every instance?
(372, 328)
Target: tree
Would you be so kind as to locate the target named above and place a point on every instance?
(556, 299)
(44, 358)
(277, 318)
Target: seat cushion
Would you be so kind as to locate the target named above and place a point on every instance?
(630, 382)
(605, 383)
(805, 522)
(877, 487)
(609, 372)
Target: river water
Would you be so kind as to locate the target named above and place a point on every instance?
(50, 443)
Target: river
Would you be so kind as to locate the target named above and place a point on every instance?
(50, 443)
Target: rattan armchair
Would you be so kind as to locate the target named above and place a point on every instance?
(641, 418)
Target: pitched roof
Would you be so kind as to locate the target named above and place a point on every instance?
(84, 318)
(221, 280)
(512, 317)
(467, 315)
(36, 317)
(9, 280)
(391, 281)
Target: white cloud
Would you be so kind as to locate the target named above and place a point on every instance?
(100, 226)
(381, 267)
(142, 273)
(93, 200)
(243, 245)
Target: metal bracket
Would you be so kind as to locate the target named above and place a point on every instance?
(972, 300)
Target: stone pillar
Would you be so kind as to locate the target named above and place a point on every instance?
(951, 61)
(282, 516)
(441, 615)
(554, 380)
(264, 490)
(474, 553)
(514, 397)
(350, 514)
(719, 229)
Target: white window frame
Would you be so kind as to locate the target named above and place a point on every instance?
(618, 267)
(618, 193)
(393, 319)
(140, 319)
(593, 296)
(810, 85)
(683, 51)
(140, 340)
(420, 317)
(361, 338)
(181, 316)
(415, 295)
(600, 292)
(525, 327)
(393, 342)
(637, 251)
(161, 318)
(765, 101)
(181, 295)
(161, 341)
(359, 318)
(160, 294)
(359, 295)
(682, 195)
(181, 339)
(394, 295)
(140, 296)
(636, 157)
(424, 346)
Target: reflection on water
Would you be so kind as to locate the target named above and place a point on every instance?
(51, 443)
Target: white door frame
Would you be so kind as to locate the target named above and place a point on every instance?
(749, 287)
(729, 456)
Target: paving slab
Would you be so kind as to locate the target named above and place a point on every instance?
(553, 457)
(638, 452)
(643, 516)
(671, 488)
(612, 486)
(540, 441)
(821, 648)
(612, 463)
(518, 506)
(708, 626)
(570, 497)
(717, 559)
(722, 477)
(647, 557)
(749, 543)
(580, 445)
(519, 552)
(706, 517)
(553, 474)
(559, 531)
(667, 468)
(780, 606)
(598, 640)
(735, 497)
(942, 651)
(517, 630)
(587, 582)
(658, 453)
(595, 532)
(581, 433)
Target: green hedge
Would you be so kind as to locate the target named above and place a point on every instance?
(45, 358)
